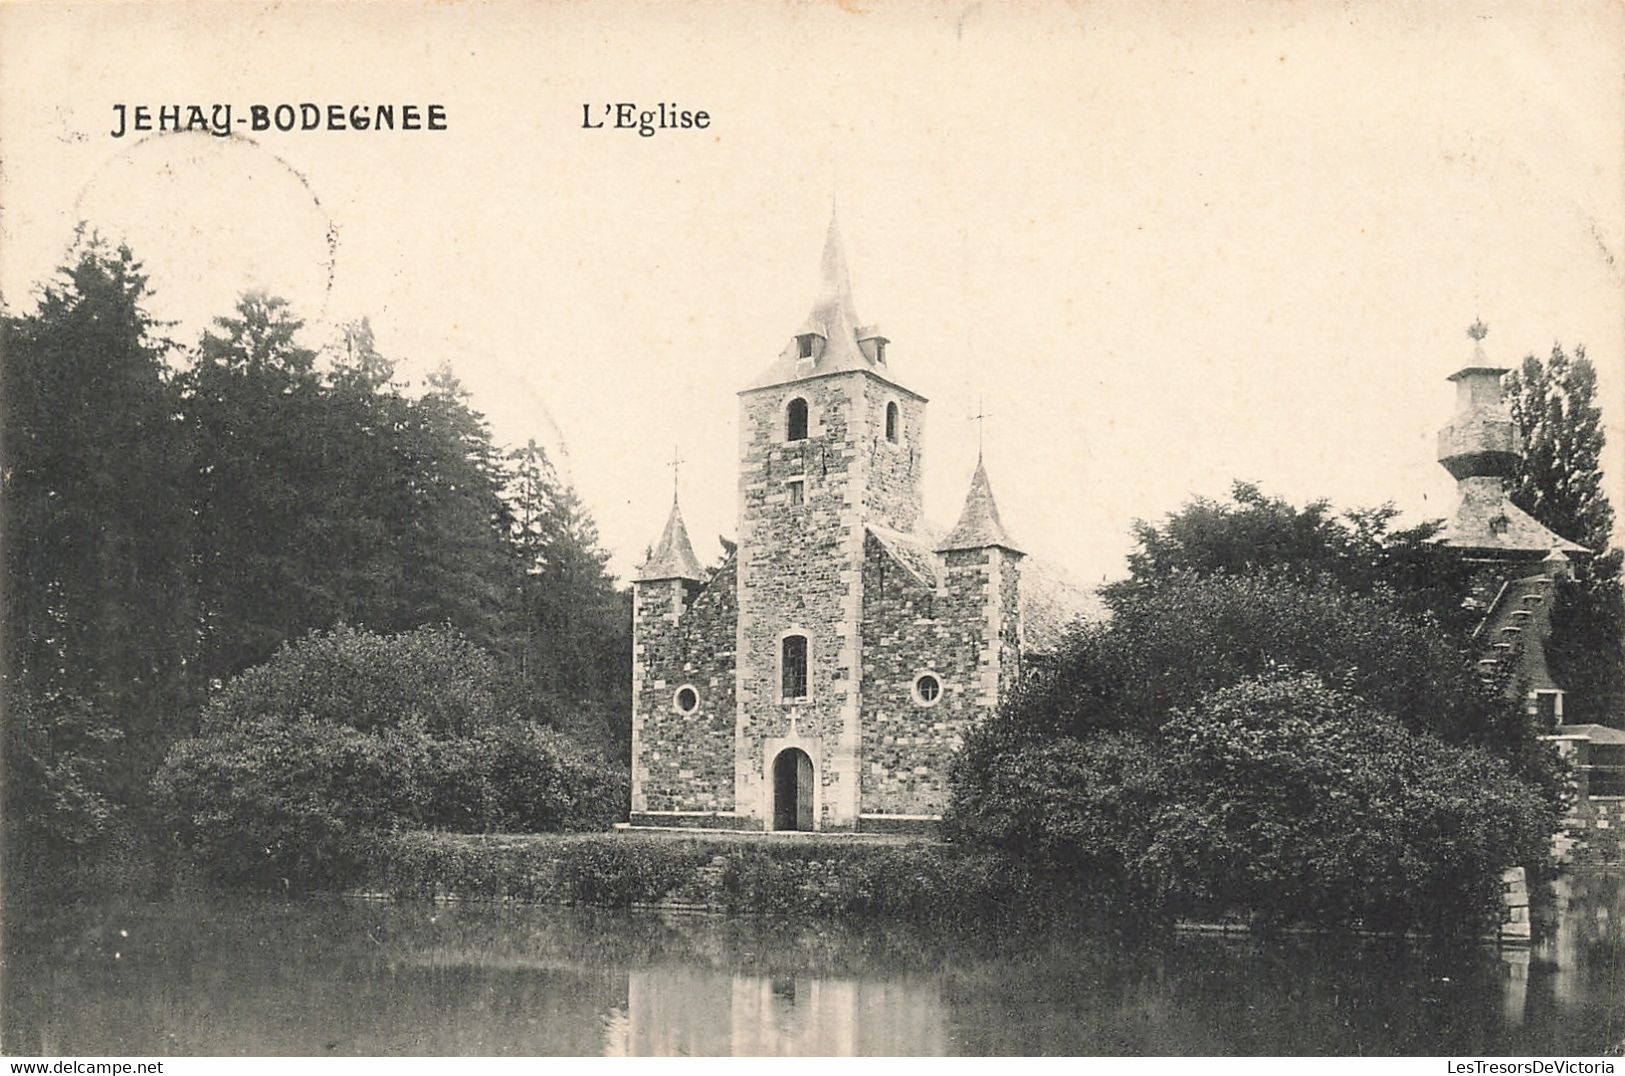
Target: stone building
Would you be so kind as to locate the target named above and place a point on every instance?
(822, 677)
(1517, 563)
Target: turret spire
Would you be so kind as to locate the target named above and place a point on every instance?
(833, 310)
(979, 525)
(673, 556)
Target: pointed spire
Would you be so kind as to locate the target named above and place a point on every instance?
(979, 526)
(831, 339)
(833, 311)
(673, 556)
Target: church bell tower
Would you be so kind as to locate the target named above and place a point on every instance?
(830, 442)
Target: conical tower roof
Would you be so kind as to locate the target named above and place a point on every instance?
(979, 526)
(673, 556)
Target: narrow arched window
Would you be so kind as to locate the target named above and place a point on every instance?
(891, 421)
(793, 667)
(795, 426)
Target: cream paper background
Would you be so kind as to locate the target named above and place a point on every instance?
(1168, 244)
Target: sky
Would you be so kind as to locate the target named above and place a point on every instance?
(1162, 246)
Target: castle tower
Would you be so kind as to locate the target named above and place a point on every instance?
(1515, 558)
(830, 442)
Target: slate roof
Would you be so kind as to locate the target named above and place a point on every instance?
(673, 556)
(979, 525)
(1051, 601)
(912, 551)
(1486, 521)
(833, 317)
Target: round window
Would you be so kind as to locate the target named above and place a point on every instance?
(686, 700)
(927, 689)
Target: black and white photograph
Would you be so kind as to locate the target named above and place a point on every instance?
(812, 528)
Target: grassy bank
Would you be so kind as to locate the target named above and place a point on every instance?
(919, 882)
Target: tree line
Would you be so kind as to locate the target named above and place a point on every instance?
(175, 514)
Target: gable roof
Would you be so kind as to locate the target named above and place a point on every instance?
(1051, 601)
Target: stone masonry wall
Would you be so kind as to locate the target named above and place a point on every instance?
(910, 628)
(685, 762)
(799, 571)
(1009, 623)
(895, 494)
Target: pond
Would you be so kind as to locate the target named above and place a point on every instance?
(352, 977)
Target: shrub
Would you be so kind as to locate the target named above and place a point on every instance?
(431, 678)
(1166, 646)
(1278, 798)
(517, 778)
(348, 735)
(61, 815)
(288, 803)
(1068, 810)
(1293, 801)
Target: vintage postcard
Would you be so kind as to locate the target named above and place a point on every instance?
(794, 528)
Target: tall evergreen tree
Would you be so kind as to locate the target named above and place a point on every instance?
(260, 486)
(97, 594)
(449, 512)
(1560, 483)
(573, 643)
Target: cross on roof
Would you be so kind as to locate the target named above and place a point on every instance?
(979, 418)
(676, 464)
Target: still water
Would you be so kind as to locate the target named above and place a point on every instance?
(352, 977)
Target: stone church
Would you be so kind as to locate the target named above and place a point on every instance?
(823, 675)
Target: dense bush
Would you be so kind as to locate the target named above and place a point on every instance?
(516, 778)
(432, 678)
(1292, 800)
(1063, 807)
(1168, 645)
(1278, 798)
(347, 736)
(288, 803)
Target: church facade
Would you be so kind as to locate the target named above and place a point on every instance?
(823, 675)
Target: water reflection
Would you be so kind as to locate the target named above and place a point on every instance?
(686, 1012)
(354, 978)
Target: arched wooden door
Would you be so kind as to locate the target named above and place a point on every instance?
(792, 790)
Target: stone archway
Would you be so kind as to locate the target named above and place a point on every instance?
(792, 790)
